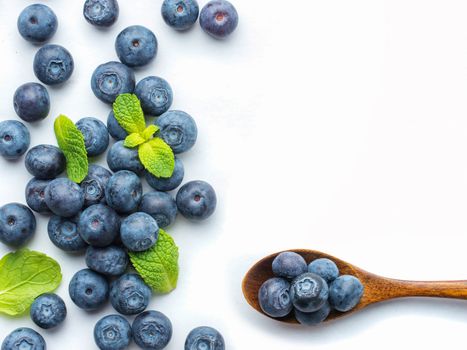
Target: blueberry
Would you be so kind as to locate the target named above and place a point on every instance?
(155, 95)
(120, 157)
(115, 130)
(63, 233)
(45, 162)
(48, 310)
(88, 290)
(345, 293)
(180, 14)
(136, 46)
(14, 139)
(161, 206)
(313, 318)
(218, 18)
(196, 200)
(101, 13)
(37, 23)
(94, 184)
(24, 339)
(129, 295)
(274, 297)
(139, 232)
(96, 136)
(178, 129)
(167, 184)
(64, 197)
(99, 225)
(112, 332)
(53, 64)
(35, 195)
(325, 268)
(309, 292)
(289, 265)
(110, 261)
(152, 330)
(124, 191)
(17, 224)
(204, 338)
(112, 79)
(31, 102)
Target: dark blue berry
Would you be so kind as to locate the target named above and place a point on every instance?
(45, 162)
(313, 318)
(325, 268)
(94, 184)
(53, 64)
(161, 206)
(139, 232)
(48, 310)
(96, 136)
(112, 332)
(99, 225)
(64, 234)
(112, 79)
(129, 295)
(204, 338)
(136, 46)
(37, 23)
(110, 261)
(17, 224)
(101, 13)
(180, 14)
(31, 102)
(178, 129)
(196, 200)
(289, 265)
(24, 339)
(155, 95)
(345, 293)
(64, 197)
(14, 139)
(88, 289)
(124, 191)
(218, 18)
(35, 195)
(309, 292)
(274, 297)
(152, 330)
(115, 130)
(120, 157)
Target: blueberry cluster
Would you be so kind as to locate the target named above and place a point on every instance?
(107, 214)
(310, 291)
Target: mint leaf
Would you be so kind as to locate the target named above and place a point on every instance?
(134, 140)
(24, 275)
(149, 131)
(129, 114)
(71, 142)
(158, 266)
(157, 157)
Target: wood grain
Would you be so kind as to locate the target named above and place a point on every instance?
(376, 288)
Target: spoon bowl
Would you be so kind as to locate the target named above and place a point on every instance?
(376, 288)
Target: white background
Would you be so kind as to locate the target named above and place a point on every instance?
(334, 125)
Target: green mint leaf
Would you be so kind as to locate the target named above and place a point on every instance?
(157, 157)
(158, 266)
(134, 140)
(129, 114)
(24, 275)
(71, 142)
(149, 132)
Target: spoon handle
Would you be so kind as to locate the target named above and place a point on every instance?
(390, 288)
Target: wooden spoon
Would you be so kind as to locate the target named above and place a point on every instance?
(377, 288)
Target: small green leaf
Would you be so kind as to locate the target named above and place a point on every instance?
(129, 114)
(149, 131)
(158, 266)
(71, 142)
(134, 140)
(157, 157)
(24, 275)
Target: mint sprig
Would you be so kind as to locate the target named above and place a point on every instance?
(155, 155)
(158, 266)
(71, 142)
(24, 275)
